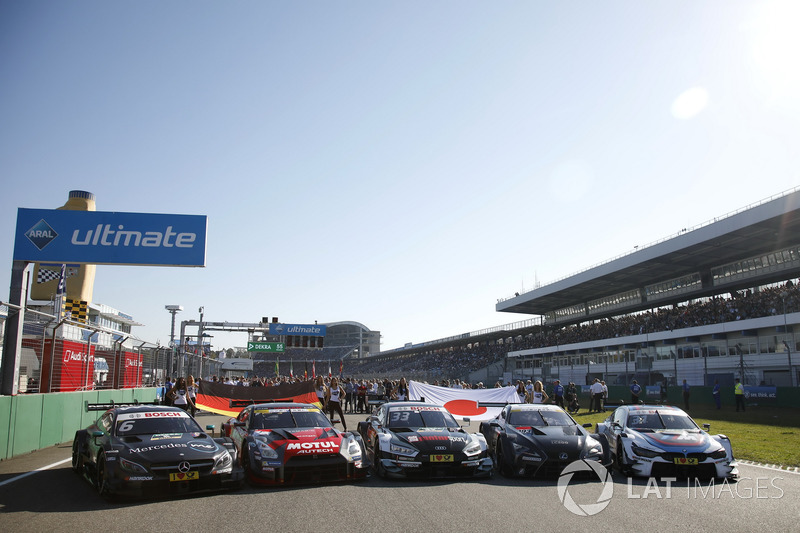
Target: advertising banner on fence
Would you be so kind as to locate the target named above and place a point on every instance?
(464, 403)
(761, 394)
(216, 397)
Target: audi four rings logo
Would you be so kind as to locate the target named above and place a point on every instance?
(603, 500)
(184, 467)
(440, 447)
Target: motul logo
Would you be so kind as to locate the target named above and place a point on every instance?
(310, 445)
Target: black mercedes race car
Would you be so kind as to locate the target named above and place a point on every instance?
(415, 439)
(538, 440)
(294, 443)
(146, 449)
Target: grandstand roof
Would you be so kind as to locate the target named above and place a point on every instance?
(769, 226)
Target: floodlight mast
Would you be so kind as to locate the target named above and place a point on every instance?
(173, 309)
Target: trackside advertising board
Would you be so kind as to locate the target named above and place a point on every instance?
(110, 238)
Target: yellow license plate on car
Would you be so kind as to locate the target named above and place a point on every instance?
(685, 461)
(442, 458)
(188, 476)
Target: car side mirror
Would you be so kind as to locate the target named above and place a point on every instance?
(707, 427)
(467, 420)
(97, 433)
(239, 424)
(587, 425)
(210, 427)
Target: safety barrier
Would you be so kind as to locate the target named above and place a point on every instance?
(36, 421)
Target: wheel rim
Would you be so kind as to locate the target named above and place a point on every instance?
(102, 486)
(75, 459)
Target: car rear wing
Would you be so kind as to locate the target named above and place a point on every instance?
(112, 404)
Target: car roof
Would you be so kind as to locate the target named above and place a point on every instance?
(534, 407)
(413, 404)
(662, 408)
(285, 405)
(145, 409)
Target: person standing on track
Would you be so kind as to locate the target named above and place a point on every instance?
(349, 395)
(180, 395)
(401, 392)
(738, 393)
(333, 399)
(321, 390)
(539, 395)
(191, 390)
(558, 393)
(636, 390)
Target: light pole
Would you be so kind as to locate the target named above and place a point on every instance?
(173, 309)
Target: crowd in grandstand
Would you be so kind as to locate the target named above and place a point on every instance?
(448, 361)
(767, 301)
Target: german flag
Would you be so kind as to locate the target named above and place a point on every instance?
(216, 397)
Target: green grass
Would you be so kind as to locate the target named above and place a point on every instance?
(762, 434)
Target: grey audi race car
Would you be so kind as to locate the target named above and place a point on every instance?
(143, 450)
(538, 440)
(415, 439)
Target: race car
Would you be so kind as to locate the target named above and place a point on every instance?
(538, 440)
(415, 439)
(146, 449)
(659, 441)
(294, 443)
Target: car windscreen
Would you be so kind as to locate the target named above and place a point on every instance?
(533, 418)
(421, 418)
(129, 424)
(656, 420)
(289, 418)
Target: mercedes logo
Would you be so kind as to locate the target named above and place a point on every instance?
(184, 467)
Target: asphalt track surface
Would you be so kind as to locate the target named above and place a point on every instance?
(54, 499)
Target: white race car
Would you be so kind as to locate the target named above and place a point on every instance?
(664, 441)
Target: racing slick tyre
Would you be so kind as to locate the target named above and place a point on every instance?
(101, 477)
(619, 459)
(500, 461)
(607, 460)
(379, 468)
(77, 458)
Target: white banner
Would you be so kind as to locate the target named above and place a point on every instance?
(463, 403)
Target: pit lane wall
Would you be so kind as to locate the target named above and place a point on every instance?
(36, 421)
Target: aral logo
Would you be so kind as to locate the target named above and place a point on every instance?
(41, 234)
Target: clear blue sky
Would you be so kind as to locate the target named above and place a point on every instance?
(400, 164)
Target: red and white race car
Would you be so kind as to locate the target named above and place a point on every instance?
(294, 443)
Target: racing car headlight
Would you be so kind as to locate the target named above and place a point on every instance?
(473, 449)
(266, 450)
(719, 454)
(354, 448)
(644, 452)
(223, 463)
(595, 451)
(402, 450)
(130, 466)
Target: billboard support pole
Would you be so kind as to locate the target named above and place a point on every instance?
(12, 342)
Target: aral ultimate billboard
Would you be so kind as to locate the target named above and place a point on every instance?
(98, 237)
(312, 330)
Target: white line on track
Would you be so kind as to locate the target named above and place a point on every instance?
(17, 478)
(776, 468)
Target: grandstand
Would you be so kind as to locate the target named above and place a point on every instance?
(713, 302)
